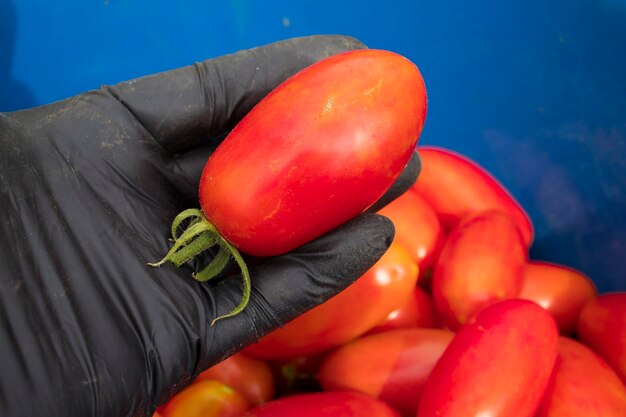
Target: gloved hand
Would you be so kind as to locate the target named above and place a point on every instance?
(88, 189)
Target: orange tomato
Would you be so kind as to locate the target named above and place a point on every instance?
(206, 398)
(418, 311)
(392, 366)
(382, 289)
(559, 289)
(417, 228)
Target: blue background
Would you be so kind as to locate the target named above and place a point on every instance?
(535, 91)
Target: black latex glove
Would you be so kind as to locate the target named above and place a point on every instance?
(88, 189)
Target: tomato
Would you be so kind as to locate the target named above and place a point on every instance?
(418, 311)
(482, 262)
(324, 404)
(206, 398)
(582, 384)
(391, 366)
(559, 289)
(250, 377)
(602, 327)
(156, 414)
(456, 186)
(317, 151)
(498, 364)
(382, 289)
(417, 228)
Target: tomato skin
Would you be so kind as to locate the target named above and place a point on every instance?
(324, 404)
(249, 376)
(499, 364)
(602, 327)
(482, 262)
(417, 228)
(391, 366)
(206, 398)
(418, 311)
(456, 186)
(323, 146)
(582, 384)
(559, 289)
(382, 289)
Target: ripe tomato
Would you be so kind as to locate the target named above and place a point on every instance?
(582, 384)
(559, 289)
(418, 311)
(417, 228)
(323, 146)
(391, 366)
(602, 327)
(456, 186)
(382, 289)
(499, 364)
(206, 398)
(482, 262)
(324, 404)
(250, 377)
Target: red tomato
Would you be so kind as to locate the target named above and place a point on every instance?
(251, 377)
(559, 289)
(417, 228)
(602, 327)
(385, 287)
(324, 404)
(418, 311)
(582, 384)
(156, 414)
(456, 186)
(206, 398)
(323, 146)
(482, 262)
(391, 366)
(499, 364)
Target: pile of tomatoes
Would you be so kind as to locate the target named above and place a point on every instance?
(454, 320)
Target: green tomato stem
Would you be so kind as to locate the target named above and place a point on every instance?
(197, 236)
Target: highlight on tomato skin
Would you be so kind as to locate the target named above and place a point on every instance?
(482, 262)
(418, 311)
(392, 366)
(323, 146)
(324, 404)
(559, 289)
(582, 384)
(602, 327)
(498, 364)
(249, 376)
(385, 287)
(208, 397)
(417, 228)
(455, 186)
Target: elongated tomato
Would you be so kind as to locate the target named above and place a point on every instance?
(559, 289)
(383, 288)
(418, 311)
(391, 366)
(482, 262)
(317, 151)
(206, 398)
(582, 384)
(417, 228)
(498, 365)
(456, 186)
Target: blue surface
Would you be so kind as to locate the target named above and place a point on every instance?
(534, 91)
